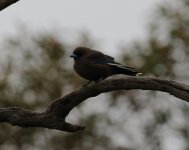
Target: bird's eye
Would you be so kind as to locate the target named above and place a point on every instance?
(79, 54)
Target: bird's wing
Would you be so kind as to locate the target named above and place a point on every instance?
(108, 59)
(120, 66)
(99, 58)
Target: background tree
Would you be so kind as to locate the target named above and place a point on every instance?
(163, 54)
(35, 70)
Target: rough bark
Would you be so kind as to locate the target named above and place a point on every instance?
(5, 3)
(54, 116)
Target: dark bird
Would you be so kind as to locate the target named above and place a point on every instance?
(94, 65)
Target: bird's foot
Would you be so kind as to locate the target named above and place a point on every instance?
(97, 81)
(86, 83)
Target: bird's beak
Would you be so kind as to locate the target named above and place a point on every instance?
(73, 55)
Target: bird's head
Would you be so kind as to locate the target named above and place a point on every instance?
(79, 52)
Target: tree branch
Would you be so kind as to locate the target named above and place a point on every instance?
(5, 3)
(54, 116)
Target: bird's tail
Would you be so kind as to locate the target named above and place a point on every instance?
(120, 69)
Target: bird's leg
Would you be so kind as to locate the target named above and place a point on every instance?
(87, 83)
(97, 81)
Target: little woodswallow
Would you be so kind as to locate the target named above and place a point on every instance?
(94, 65)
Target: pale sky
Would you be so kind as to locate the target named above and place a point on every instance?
(110, 21)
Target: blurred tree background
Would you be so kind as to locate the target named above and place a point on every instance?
(35, 69)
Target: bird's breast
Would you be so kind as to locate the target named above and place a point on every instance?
(91, 71)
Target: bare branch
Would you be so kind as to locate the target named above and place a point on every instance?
(5, 3)
(54, 116)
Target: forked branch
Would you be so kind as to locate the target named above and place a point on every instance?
(54, 116)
